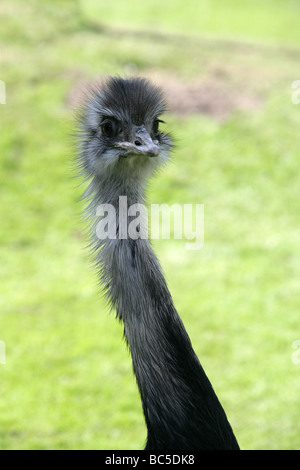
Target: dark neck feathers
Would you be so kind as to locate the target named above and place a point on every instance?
(180, 406)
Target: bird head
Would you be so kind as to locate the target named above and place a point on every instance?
(120, 128)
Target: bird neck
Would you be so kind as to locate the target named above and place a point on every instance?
(124, 257)
(180, 407)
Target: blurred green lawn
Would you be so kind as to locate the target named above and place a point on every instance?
(67, 382)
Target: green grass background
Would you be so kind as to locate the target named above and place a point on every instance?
(67, 382)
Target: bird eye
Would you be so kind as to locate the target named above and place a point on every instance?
(109, 128)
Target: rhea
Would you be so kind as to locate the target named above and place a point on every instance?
(120, 147)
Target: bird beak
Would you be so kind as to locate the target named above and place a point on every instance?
(141, 143)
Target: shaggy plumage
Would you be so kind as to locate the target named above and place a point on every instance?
(120, 146)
